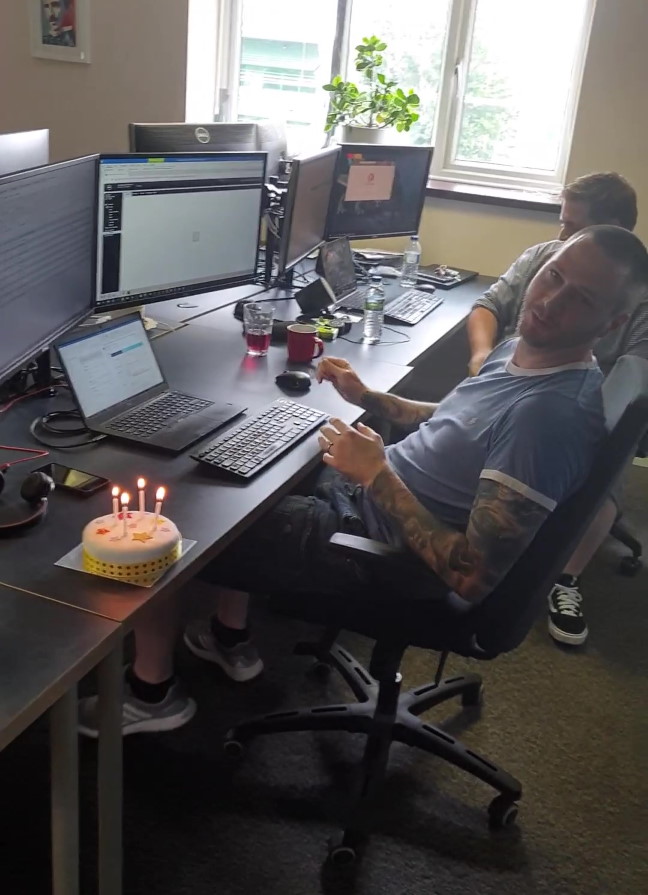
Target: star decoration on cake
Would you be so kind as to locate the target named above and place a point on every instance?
(142, 536)
(103, 531)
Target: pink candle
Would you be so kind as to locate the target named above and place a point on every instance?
(141, 484)
(115, 500)
(125, 498)
(159, 497)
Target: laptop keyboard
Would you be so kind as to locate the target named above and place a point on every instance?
(408, 307)
(259, 440)
(154, 416)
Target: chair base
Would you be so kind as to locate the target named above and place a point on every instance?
(385, 715)
(628, 565)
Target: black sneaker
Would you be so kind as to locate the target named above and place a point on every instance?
(566, 621)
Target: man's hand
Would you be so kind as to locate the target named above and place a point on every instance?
(357, 454)
(344, 378)
(477, 361)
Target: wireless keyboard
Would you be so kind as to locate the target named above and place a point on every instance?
(408, 307)
(259, 440)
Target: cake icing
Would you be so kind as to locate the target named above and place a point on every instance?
(149, 547)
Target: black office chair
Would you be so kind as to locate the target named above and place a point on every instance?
(498, 625)
(630, 565)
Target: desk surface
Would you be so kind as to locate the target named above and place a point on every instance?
(405, 345)
(213, 512)
(45, 648)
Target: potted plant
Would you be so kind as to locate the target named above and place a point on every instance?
(365, 111)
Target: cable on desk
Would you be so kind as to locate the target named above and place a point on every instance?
(402, 341)
(43, 423)
(11, 447)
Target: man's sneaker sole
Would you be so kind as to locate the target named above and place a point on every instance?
(149, 725)
(240, 675)
(564, 637)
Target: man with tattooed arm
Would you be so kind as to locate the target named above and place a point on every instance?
(466, 491)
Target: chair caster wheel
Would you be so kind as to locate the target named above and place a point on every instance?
(344, 850)
(629, 566)
(233, 748)
(502, 812)
(321, 670)
(473, 697)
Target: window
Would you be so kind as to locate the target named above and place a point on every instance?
(498, 79)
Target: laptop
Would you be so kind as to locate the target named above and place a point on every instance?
(335, 264)
(121, 391)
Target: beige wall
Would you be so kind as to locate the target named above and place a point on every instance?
(137, 73)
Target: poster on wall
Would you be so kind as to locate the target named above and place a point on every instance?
(60, 29)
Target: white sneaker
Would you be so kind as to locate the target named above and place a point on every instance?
(241, 662)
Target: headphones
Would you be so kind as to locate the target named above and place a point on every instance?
(35, 491)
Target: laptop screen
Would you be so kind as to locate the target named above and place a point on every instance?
(110, 365)
(336, 263)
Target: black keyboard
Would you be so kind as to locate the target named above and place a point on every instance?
(408, 307)
(154, 416)
(259, 440)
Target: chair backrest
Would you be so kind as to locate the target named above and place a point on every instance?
(504, 619)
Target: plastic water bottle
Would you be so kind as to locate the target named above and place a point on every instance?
(411, 258)
(374, 311)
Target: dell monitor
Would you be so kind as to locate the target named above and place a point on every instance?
(307, 202)
(378, 190)
(215, 136)
(176, 225)
(28, 149)
(47, 245)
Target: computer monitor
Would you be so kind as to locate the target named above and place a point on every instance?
(378, 190)
(27, 149)
(176, 225)
(215, 136)
(47, 246)
(307, 202)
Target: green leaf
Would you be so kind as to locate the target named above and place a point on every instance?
(413, 99)
(329, 87)
(381, 46)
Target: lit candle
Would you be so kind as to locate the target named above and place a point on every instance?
(159, 497)
(125, 498)
(141, 484)
(115, 500)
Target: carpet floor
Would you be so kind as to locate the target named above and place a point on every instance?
(571, 724)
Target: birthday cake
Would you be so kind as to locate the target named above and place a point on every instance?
(136, 550)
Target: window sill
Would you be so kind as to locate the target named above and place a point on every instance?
(529, 200)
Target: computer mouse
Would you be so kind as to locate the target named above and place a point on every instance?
(293, 380)
(425, 287)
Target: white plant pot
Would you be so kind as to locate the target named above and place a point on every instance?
(352, 133)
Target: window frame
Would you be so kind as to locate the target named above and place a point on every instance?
(454, 72)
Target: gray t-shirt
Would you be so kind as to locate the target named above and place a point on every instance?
(535, 431)
(504, 300)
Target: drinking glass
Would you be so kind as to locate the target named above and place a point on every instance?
(257, 322)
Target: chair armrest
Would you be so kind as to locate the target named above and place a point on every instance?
(365, 548)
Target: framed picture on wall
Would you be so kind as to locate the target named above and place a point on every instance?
(60, 29)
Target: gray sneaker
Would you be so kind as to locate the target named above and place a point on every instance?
(175, 710)
(241, 662)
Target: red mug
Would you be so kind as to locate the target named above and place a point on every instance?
(303, 343)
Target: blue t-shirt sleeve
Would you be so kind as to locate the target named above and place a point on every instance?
(543, 447)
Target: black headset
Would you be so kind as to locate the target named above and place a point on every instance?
(34, 490)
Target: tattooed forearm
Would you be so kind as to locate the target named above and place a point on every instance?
(397, 410)
(502, 524)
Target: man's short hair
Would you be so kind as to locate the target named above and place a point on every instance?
(609, 198)
(628, 251)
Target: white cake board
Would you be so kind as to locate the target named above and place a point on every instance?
(74, 560)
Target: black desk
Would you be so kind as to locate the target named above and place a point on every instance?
(45, 649)
(182, 310)
(406, 345)
(205, 508)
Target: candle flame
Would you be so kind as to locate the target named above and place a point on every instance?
(115, 491)
(159, 494)
(125, 498)
(141, 484)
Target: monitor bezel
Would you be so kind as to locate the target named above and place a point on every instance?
(293, 186)
(47, 341)
(184, 291)
(360, 147)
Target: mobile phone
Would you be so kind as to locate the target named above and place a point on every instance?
(82, 483)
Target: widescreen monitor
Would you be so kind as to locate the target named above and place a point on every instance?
(378, 190)
(307, 202)
(214, 136)
(20, 151)
(176, 225)
(47, 246)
